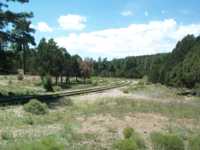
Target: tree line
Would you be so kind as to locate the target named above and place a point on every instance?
(181, 67)
(47, 58)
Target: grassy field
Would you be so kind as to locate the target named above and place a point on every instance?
(97, 121)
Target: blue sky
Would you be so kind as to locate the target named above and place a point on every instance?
(114, 28)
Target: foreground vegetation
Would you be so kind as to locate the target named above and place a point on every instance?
(101, 121)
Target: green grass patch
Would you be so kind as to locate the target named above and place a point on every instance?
(120, 106)
(47, 143)
(131, 141)
(194, 143)
(6, 135)
(166, 141)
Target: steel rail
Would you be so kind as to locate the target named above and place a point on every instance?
(48, 97)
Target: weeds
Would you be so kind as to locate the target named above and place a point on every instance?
(36, 107)
(131, 141)
(46, 143)
(166, 142)
(194, 143)
(6, 135)
(47, 83)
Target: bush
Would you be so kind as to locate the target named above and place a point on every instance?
(125, 91)
(126, 144)
(194, 143)
(128, 132)
(47, 83)
(6, 135)
(28, 120)
(20, 75)
(36, 107)
(131, 141)
(95, 83)
(166, 142)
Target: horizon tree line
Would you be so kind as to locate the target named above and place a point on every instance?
(180, 68)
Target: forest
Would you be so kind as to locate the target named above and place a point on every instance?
(179, 68)
(19, 51)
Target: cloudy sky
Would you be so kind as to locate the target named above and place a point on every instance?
(114, 28)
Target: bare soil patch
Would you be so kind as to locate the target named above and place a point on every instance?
(143, 123)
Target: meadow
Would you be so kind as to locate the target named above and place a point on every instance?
(98, 121)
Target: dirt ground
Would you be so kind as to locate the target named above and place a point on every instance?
(114, 93)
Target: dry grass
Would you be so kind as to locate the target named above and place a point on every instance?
(96, 121)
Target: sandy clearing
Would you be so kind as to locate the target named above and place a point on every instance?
(108, 127)
(143, 123)
(117, 93)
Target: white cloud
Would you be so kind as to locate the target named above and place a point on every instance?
(146, 13)
(127, 13)
(72, 22)
(43, 27)
(136, 39)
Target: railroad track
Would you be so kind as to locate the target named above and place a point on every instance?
(48, 97)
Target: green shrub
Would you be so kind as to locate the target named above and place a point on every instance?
(166, 142)
(126, 144)
(125, 91)
(131, 141)
(50, 143)
(6, 135)
(36, 107)
(128, 132)
(69, 133)
(28, 120)
(47, 83)
(194, 143)
(95, 83)
(47, 143)
(139, 141)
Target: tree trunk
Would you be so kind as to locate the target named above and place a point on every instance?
(56, 80)
(1, 46)
(84, 80)
(61, 79)
(20, 56)
(24, 58)
(67, 81)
